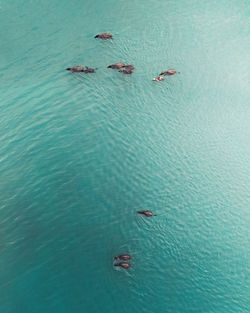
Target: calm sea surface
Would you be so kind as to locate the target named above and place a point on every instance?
(80, 154)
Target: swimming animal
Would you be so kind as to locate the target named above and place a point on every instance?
(117, 66)
(146, 213)
(122, 67)
(123, 265)
(104, 36)
(123, 257)
(125, 70)
(129, 67)
(168, 72)
(81, 69)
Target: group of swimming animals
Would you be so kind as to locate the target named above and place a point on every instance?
(125, 69)
(122, 67)
(126, 257)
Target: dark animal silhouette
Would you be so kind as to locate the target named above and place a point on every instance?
(117, 66)
(122, 67)
(123, 257)
(104, 36)
(81, 69)
(146, 213)
(123, 265)
(129, 67)
(168, 72)
(125, 70)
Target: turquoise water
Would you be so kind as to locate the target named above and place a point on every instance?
(80, 154)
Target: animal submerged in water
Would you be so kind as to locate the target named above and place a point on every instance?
(123, 257)
(146, 213)
(81, 69)
(127, 69)
(168, 72)
(123, 265)
(104, 36)
(122, 67)
(117, 66)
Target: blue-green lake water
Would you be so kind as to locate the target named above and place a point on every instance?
(80, 154)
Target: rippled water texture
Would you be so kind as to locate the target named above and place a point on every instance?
(80, 154)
